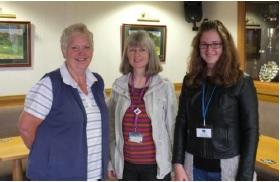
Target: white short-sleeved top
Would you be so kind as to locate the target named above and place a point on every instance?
(38, 103)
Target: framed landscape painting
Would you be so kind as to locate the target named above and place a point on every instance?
(156, 32)
(15, 44)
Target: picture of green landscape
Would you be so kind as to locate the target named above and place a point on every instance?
(155, 36)
(156, 32)
(15, 48)
(11, 44)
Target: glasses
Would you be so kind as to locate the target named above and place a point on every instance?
(215, 45)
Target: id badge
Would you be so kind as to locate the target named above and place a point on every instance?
(204, 132)
(135, 137)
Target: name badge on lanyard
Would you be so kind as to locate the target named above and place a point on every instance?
(135, 136)
(204, 131)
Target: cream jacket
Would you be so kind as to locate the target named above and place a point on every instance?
(161, 107)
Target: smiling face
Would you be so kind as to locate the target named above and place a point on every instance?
(211, 47)
(78, 53)
(138, 57)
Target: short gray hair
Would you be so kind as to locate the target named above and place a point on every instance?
(70, 30)
(141, 38)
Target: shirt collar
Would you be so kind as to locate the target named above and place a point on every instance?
(68, 80)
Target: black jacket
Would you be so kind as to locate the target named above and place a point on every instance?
(233, 117)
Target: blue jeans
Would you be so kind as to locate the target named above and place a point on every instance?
(202, 175)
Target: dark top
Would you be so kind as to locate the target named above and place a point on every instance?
(233, 116)
(211, 165)
(59, 151)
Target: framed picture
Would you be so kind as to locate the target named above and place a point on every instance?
(156, 32)
(15, 44)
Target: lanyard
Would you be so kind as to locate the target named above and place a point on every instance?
(133, 88)
(134, 107)
(205, 108)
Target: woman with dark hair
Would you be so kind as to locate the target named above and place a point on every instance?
(216, 132)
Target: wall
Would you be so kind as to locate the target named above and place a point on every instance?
(104, 19)
(269, 119)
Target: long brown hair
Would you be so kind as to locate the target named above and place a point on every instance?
(226, 72)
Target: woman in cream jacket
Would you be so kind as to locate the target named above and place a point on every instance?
(142, 110)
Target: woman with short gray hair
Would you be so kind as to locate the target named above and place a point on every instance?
(65, 118)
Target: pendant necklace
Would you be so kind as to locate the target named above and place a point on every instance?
(134, 106)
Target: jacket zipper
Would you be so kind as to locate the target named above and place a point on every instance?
(204, 148)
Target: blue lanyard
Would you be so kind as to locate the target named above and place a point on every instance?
(205, 109)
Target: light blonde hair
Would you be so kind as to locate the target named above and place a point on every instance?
(73, 29)
(142, 39)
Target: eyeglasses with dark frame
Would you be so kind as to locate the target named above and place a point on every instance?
(214, 45)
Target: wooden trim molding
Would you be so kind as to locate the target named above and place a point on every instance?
(266, 92)
(108, 91)
(268, 98)
(241, 13)
(177, 87)
(19, 99)
(12, 100)
(267, 88)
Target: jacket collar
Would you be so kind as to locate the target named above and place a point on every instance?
(121, 84)
(68, 80)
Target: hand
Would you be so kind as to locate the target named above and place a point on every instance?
(180, 173)
(27, 126)
(112, 175)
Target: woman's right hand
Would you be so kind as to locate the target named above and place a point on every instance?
(112, 175)
(27, 126)
(180, 173)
